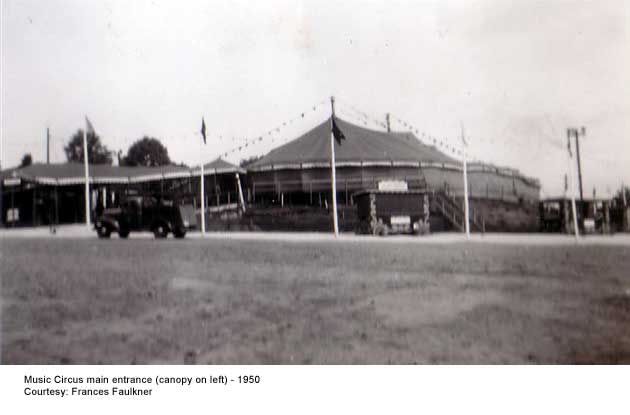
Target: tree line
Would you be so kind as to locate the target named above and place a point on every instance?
(147, 151)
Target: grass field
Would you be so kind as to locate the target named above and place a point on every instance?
(245, 301)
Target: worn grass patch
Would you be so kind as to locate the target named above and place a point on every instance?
(240, 302)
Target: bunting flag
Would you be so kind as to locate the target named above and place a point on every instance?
(203, 130)
(337, 133)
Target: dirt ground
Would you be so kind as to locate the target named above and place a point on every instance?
(234, 301)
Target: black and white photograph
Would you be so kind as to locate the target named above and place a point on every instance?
(315, 182)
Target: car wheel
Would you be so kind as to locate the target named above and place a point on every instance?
(179, 233)
(160, 231)
(103, 232)
(123, 233)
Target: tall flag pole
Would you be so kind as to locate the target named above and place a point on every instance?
(240, 192)
(335, 135)
(466, 208)
(571, 187)
(88, 128)
(202, 179)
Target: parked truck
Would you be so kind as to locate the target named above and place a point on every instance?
(392, 209)
(137, 213)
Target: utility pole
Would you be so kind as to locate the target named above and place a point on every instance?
(577, 151)
(389, 128)
(577, 133)
(47, 145)
(571, 186)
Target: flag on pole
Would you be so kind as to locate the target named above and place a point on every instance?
(90, 128)
(203, 130)
(202, 179)
(337, 133)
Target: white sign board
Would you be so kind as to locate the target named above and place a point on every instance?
(393, 185)
(400, 220)
(12, 182)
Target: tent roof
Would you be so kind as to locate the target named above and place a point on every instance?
(222, 166)
(73, 173)
(361, 145)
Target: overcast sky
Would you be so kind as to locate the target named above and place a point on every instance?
(515, 73)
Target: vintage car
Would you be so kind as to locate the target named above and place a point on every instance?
(146, 213)
(392, 211)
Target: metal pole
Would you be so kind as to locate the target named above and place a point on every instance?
(389, 129)
(87, 177)
(240, 192)
(203, 201)
(332, 170)
(466, 210)
(47, 145)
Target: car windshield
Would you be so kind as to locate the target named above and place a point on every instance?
(149, 202)
(132, 202)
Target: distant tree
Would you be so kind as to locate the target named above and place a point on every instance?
(97, 152)
(246, 162)
(27, 160)
(147, 151)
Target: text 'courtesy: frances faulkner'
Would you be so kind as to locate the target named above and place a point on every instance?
(122, 386)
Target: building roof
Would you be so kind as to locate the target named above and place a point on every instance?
(219, 166)
(73, 173)
(362, 146)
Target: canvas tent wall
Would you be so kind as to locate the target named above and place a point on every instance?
(367, 156)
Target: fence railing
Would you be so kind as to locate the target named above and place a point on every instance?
(453, 211)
